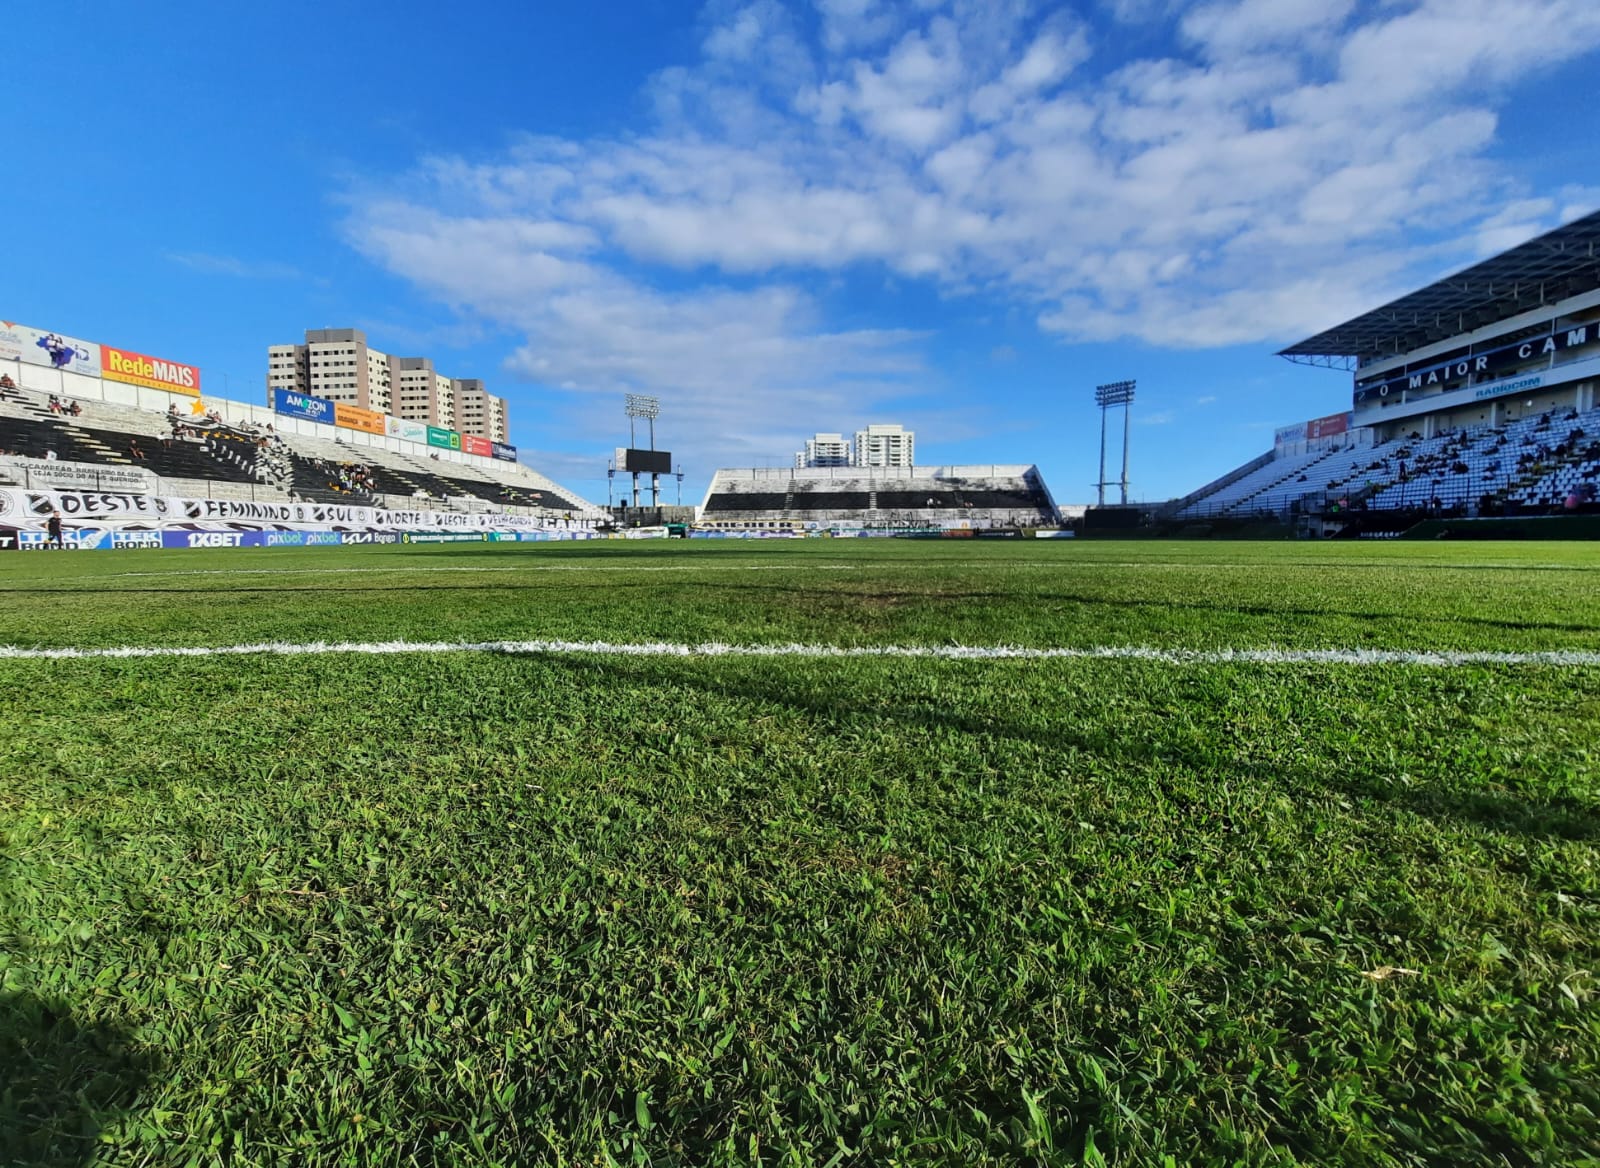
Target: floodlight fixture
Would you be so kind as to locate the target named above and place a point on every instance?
(1115, 393)
(640, 406)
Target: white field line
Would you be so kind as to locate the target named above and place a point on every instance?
(1436, 659)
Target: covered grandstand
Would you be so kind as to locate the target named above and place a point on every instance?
(1471, 397)
(883, 497)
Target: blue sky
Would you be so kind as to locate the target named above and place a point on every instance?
(789, 217)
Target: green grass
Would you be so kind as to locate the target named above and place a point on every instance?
(487, 909)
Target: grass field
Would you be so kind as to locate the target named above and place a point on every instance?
(479, 908)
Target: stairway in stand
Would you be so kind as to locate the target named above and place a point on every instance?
(82, 437)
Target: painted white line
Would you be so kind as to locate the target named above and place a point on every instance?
(1436, 659)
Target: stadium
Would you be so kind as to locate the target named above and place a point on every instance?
(372, 798)
(1473, 397)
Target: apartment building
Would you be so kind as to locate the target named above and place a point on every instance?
(478, 411)
(422, 394)
(338, 364)
(885, 445)
(824, 450)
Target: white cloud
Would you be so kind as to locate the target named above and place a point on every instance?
(1233, 29)
(226, 265)
(745, 370)
(1277, 165)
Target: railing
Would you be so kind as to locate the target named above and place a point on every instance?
(1173, 506)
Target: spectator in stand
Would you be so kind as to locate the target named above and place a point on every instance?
(6, 382)
(55, 404)
(52, 530)
(133, 449)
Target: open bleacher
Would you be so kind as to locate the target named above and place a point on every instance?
(976, 496)
(207, 457)
(120, 437)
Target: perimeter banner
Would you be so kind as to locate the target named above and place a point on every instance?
(472, 444)
(410, 431)
(55, 350)
(302, 405)
(448, 439)
(504, 452)
(355, 418)
(150, 372)
(1328, 427)
(34, 507)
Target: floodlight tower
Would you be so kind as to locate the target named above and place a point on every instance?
(1116, 393)
(649, 408)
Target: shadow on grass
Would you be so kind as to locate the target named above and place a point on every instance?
(846, 597)
(1555, 816)
(60, 1080)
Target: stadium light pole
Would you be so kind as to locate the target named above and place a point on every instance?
(1107, 397)
(640, 406)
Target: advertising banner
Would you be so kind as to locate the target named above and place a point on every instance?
(448, 439)
(1329, 426)
(302, 405)
(1549, 378)
(1286, 434)
(410, 431)
(472, 444)
(503, 452)
(8, 539)
(1493, 357)
(150, 372)
(81, 539)
(213, 539)
(354, 418)
(19, 342)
